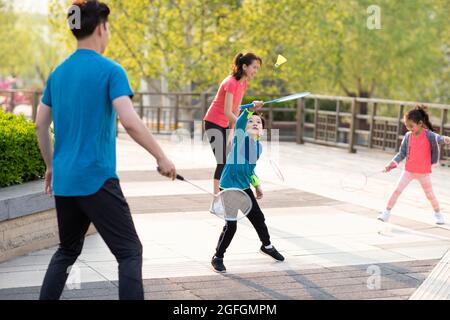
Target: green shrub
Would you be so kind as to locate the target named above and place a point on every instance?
(20, 159)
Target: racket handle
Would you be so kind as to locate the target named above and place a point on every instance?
(179, 177)
(249, 105)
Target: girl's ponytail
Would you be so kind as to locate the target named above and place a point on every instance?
(426, 118)
(420, 114)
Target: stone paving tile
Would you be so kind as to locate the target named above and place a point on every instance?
(80, 293)
(391, 298)
(198, 202)
(349, 282)
(398, 267)
(421, 276)
(153, 282)
(197, 278)
(145, 176)
(268, 279)
(365, 295)
(227, 291)
(208, 284)
(163, 287)
(307, 294)
(235, 296)
(171, 295)
(430, 244)
(25, 290)
(106, 297)
(20, 296)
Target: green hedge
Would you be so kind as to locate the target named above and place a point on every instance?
(20, 159)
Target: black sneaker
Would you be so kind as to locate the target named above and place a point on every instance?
(218, 265)
(272, 252)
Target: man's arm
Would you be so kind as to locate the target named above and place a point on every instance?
(43, 120)
(139, 132)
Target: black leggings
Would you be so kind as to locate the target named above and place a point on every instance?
(256, 218)
(217, 137)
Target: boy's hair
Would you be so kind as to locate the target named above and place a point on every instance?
(418, 114)
(92, 13)
(237, 69)
(261, 116)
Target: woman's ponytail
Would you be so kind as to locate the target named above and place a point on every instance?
(237, 68)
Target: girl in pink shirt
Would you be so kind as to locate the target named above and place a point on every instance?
(420, 147)
(224, 110)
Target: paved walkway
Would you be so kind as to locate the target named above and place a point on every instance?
(334, 246)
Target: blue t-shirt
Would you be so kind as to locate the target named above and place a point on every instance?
(80, 92)
(239, 170)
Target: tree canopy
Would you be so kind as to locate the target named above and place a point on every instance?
(329, 45)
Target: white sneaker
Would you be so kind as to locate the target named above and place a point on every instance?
(384, 216)
(439, 218)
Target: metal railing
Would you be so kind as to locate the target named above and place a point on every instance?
(345, 122)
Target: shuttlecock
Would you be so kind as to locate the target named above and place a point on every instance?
(280, 61)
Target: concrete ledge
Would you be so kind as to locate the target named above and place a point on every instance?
(27, 220)
(23, 200)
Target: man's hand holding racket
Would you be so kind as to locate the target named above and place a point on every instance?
(167, 168)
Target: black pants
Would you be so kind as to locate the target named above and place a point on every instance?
(256, 218)
(109, 212)
(217, 137)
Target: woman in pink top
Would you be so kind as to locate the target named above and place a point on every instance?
(420, 147)
(224, 110)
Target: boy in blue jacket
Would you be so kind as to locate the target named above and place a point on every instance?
(239, 172)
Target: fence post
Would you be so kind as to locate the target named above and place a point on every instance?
(158, 119)
(300, 120)
(399, 125)
(141, 106)
(443, 121)
(386, 123)
(34, 106)
(270, 124)
(338, 110)
(204, 103)
(372, 124)
(316, 117)
(177, 109)
(351, 142)
(12, 102)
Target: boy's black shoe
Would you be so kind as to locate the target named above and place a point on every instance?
(272, 252)
(218, 265)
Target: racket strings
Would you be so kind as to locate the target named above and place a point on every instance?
(354, 182)
(357, 181)
(232, 202)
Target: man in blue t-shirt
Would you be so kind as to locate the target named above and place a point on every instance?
(83, 97)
